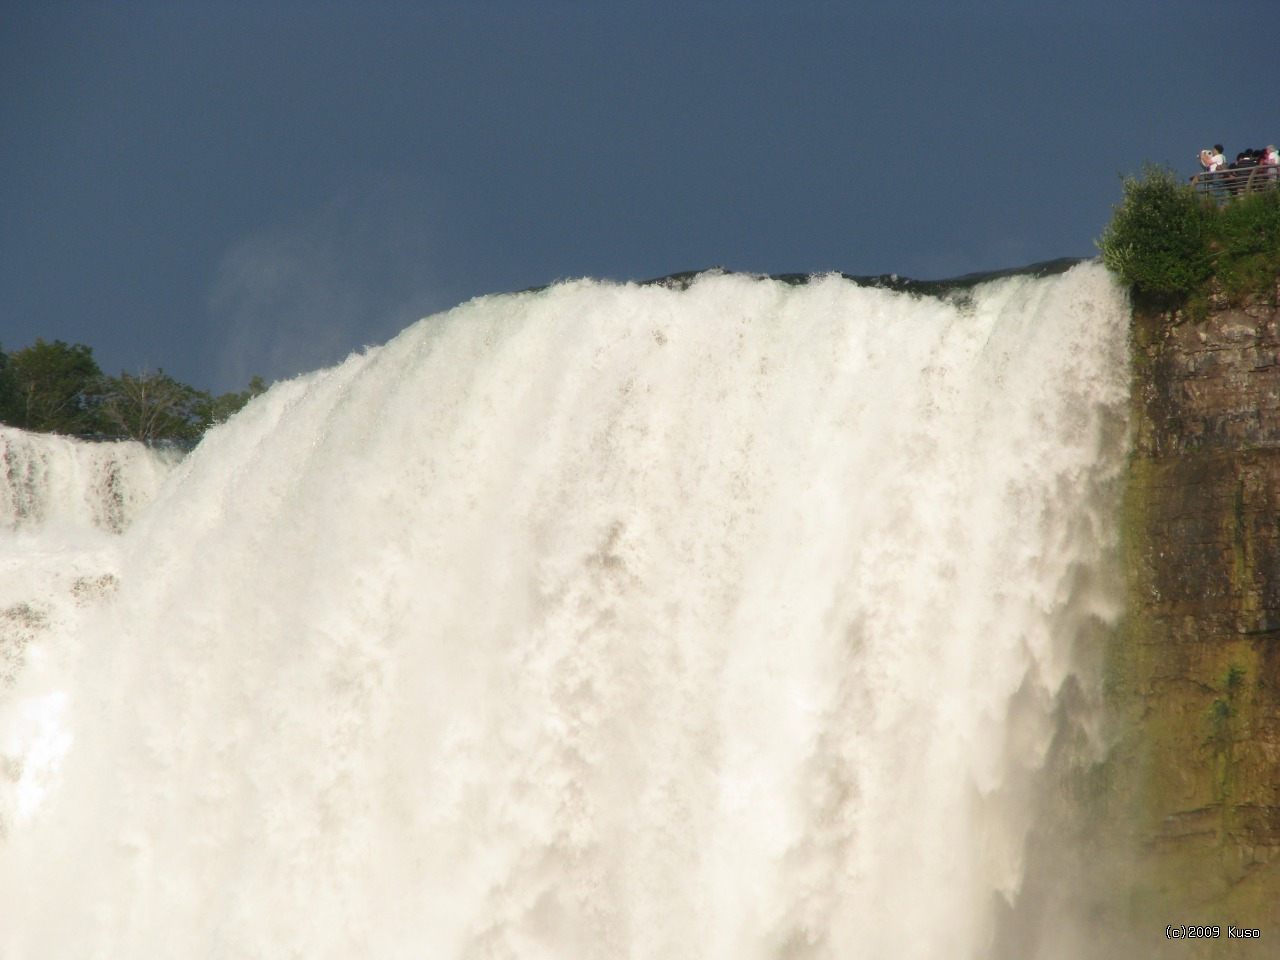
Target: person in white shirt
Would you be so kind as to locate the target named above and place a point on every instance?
(1270, 160)
(1213, 161)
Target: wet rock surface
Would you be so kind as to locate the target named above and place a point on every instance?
(1195, 672)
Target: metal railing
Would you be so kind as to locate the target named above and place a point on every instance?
(1227, 183)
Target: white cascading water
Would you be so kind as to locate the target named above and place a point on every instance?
(63, 503)
(603, 621)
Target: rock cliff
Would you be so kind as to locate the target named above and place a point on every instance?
(1193, 676)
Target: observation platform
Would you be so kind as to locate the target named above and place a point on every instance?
(1222, 185)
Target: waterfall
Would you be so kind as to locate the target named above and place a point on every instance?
(600, 621)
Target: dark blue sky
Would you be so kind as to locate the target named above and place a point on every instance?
(222, 189)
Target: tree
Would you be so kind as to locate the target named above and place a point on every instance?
(54, 387)
(1158, 240)
(8, 390)
(151, 406)
(58, 388)
(221, 408)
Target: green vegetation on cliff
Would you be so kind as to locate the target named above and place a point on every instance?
(59, 388)
(1179, 249)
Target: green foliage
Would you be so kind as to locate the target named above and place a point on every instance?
(54, 388)
(1247, 235)
(1235, 678)
(1250, 224)
(1158, 240)
(58, 388)
(151, 406)
(215, 410)
(1175, 247)
(8, 390)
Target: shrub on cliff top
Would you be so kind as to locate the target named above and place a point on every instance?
(1159, 239)
(1250, 224)
(1247, 248)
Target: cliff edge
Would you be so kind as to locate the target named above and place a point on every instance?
(1194, 672)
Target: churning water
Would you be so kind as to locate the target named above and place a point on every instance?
(595, 622)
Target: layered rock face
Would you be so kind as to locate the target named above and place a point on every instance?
(1195, 673)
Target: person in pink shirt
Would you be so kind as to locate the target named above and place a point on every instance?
(1271, 161)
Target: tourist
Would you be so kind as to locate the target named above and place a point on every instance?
(1213, 160)
(1246, 158)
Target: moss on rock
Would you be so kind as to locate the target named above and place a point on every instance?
(1189, 816)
